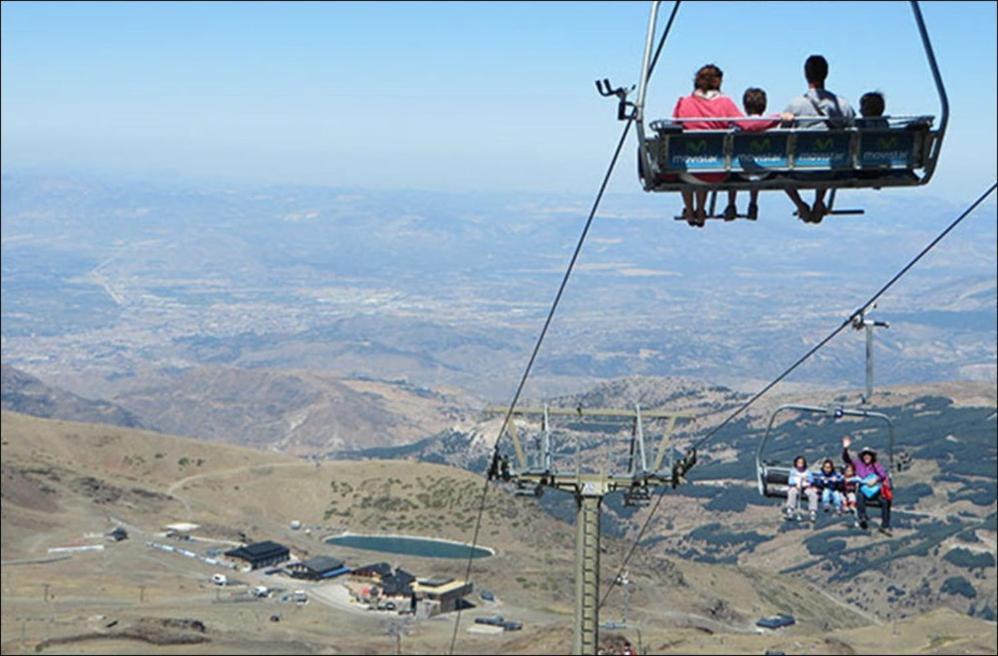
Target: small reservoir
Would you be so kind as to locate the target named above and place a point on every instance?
(410, 546)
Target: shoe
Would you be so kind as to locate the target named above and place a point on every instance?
(730, 213)
(688, 216)
(813, 517)
(804, 213)
(887, 531)
(827, 509)
(753, 212)
(863, 524)
(818, 212)
(700, 218)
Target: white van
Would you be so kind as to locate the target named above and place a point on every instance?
(219, 579)
(260, 591)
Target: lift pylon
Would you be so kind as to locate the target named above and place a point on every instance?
(589, 489)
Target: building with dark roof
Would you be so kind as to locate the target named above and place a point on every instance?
(318, 568)
(398, 584)
(373, 573)
(261, 554)
(446, 594)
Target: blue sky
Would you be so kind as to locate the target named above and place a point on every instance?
(450, 96)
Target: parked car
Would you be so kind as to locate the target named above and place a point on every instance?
(510, 625)
(219, 579)
(486, 595)
(260, 591)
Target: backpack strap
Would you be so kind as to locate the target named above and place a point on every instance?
(816, 106)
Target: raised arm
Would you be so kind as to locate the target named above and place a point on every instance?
(846, 441)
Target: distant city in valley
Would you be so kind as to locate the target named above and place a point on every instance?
(107, 282)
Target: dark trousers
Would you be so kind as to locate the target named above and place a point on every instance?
(885, 508)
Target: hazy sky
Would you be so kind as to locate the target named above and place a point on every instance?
(445, 96)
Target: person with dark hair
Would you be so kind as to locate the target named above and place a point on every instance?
(801, 481)
(830, 481)
(705, 102)
(828, 111)
(872, 480)
(754, 103)
(871, 107)
(850, 485)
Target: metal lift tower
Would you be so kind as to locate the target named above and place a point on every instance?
(531, 475)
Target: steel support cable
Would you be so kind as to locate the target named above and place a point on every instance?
(814, 349)
(547, 322)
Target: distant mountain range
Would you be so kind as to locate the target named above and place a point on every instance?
(294, 412)
(22, 392)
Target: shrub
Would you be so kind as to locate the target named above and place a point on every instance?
(819, 545)
(957, 585)
(968, 559)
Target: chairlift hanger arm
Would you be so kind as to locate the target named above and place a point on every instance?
(940, 89)
(835, 412)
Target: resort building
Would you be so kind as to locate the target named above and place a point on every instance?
(440, 595)
(261, 554)
(318, 568)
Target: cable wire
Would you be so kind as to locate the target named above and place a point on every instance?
(550, 317)
(846, 323)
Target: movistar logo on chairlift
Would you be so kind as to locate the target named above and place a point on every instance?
(887, 142)
(696, 147)
(824, 144)
(760, 145)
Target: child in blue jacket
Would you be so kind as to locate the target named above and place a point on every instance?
(831, 482)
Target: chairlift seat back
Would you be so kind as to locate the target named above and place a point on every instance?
(848, 157)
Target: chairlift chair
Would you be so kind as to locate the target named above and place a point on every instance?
(902, 153)
(773, 476)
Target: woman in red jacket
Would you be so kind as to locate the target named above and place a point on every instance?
(705, 102)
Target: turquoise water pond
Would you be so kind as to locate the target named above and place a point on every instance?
(422, 547)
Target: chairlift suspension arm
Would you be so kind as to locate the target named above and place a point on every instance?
(940, 89)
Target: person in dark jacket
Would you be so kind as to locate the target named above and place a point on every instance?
(872, 476)
(830, 481)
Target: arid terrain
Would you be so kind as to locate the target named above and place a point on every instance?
(64, 484)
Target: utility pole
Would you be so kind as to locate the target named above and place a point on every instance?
(533, 474)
